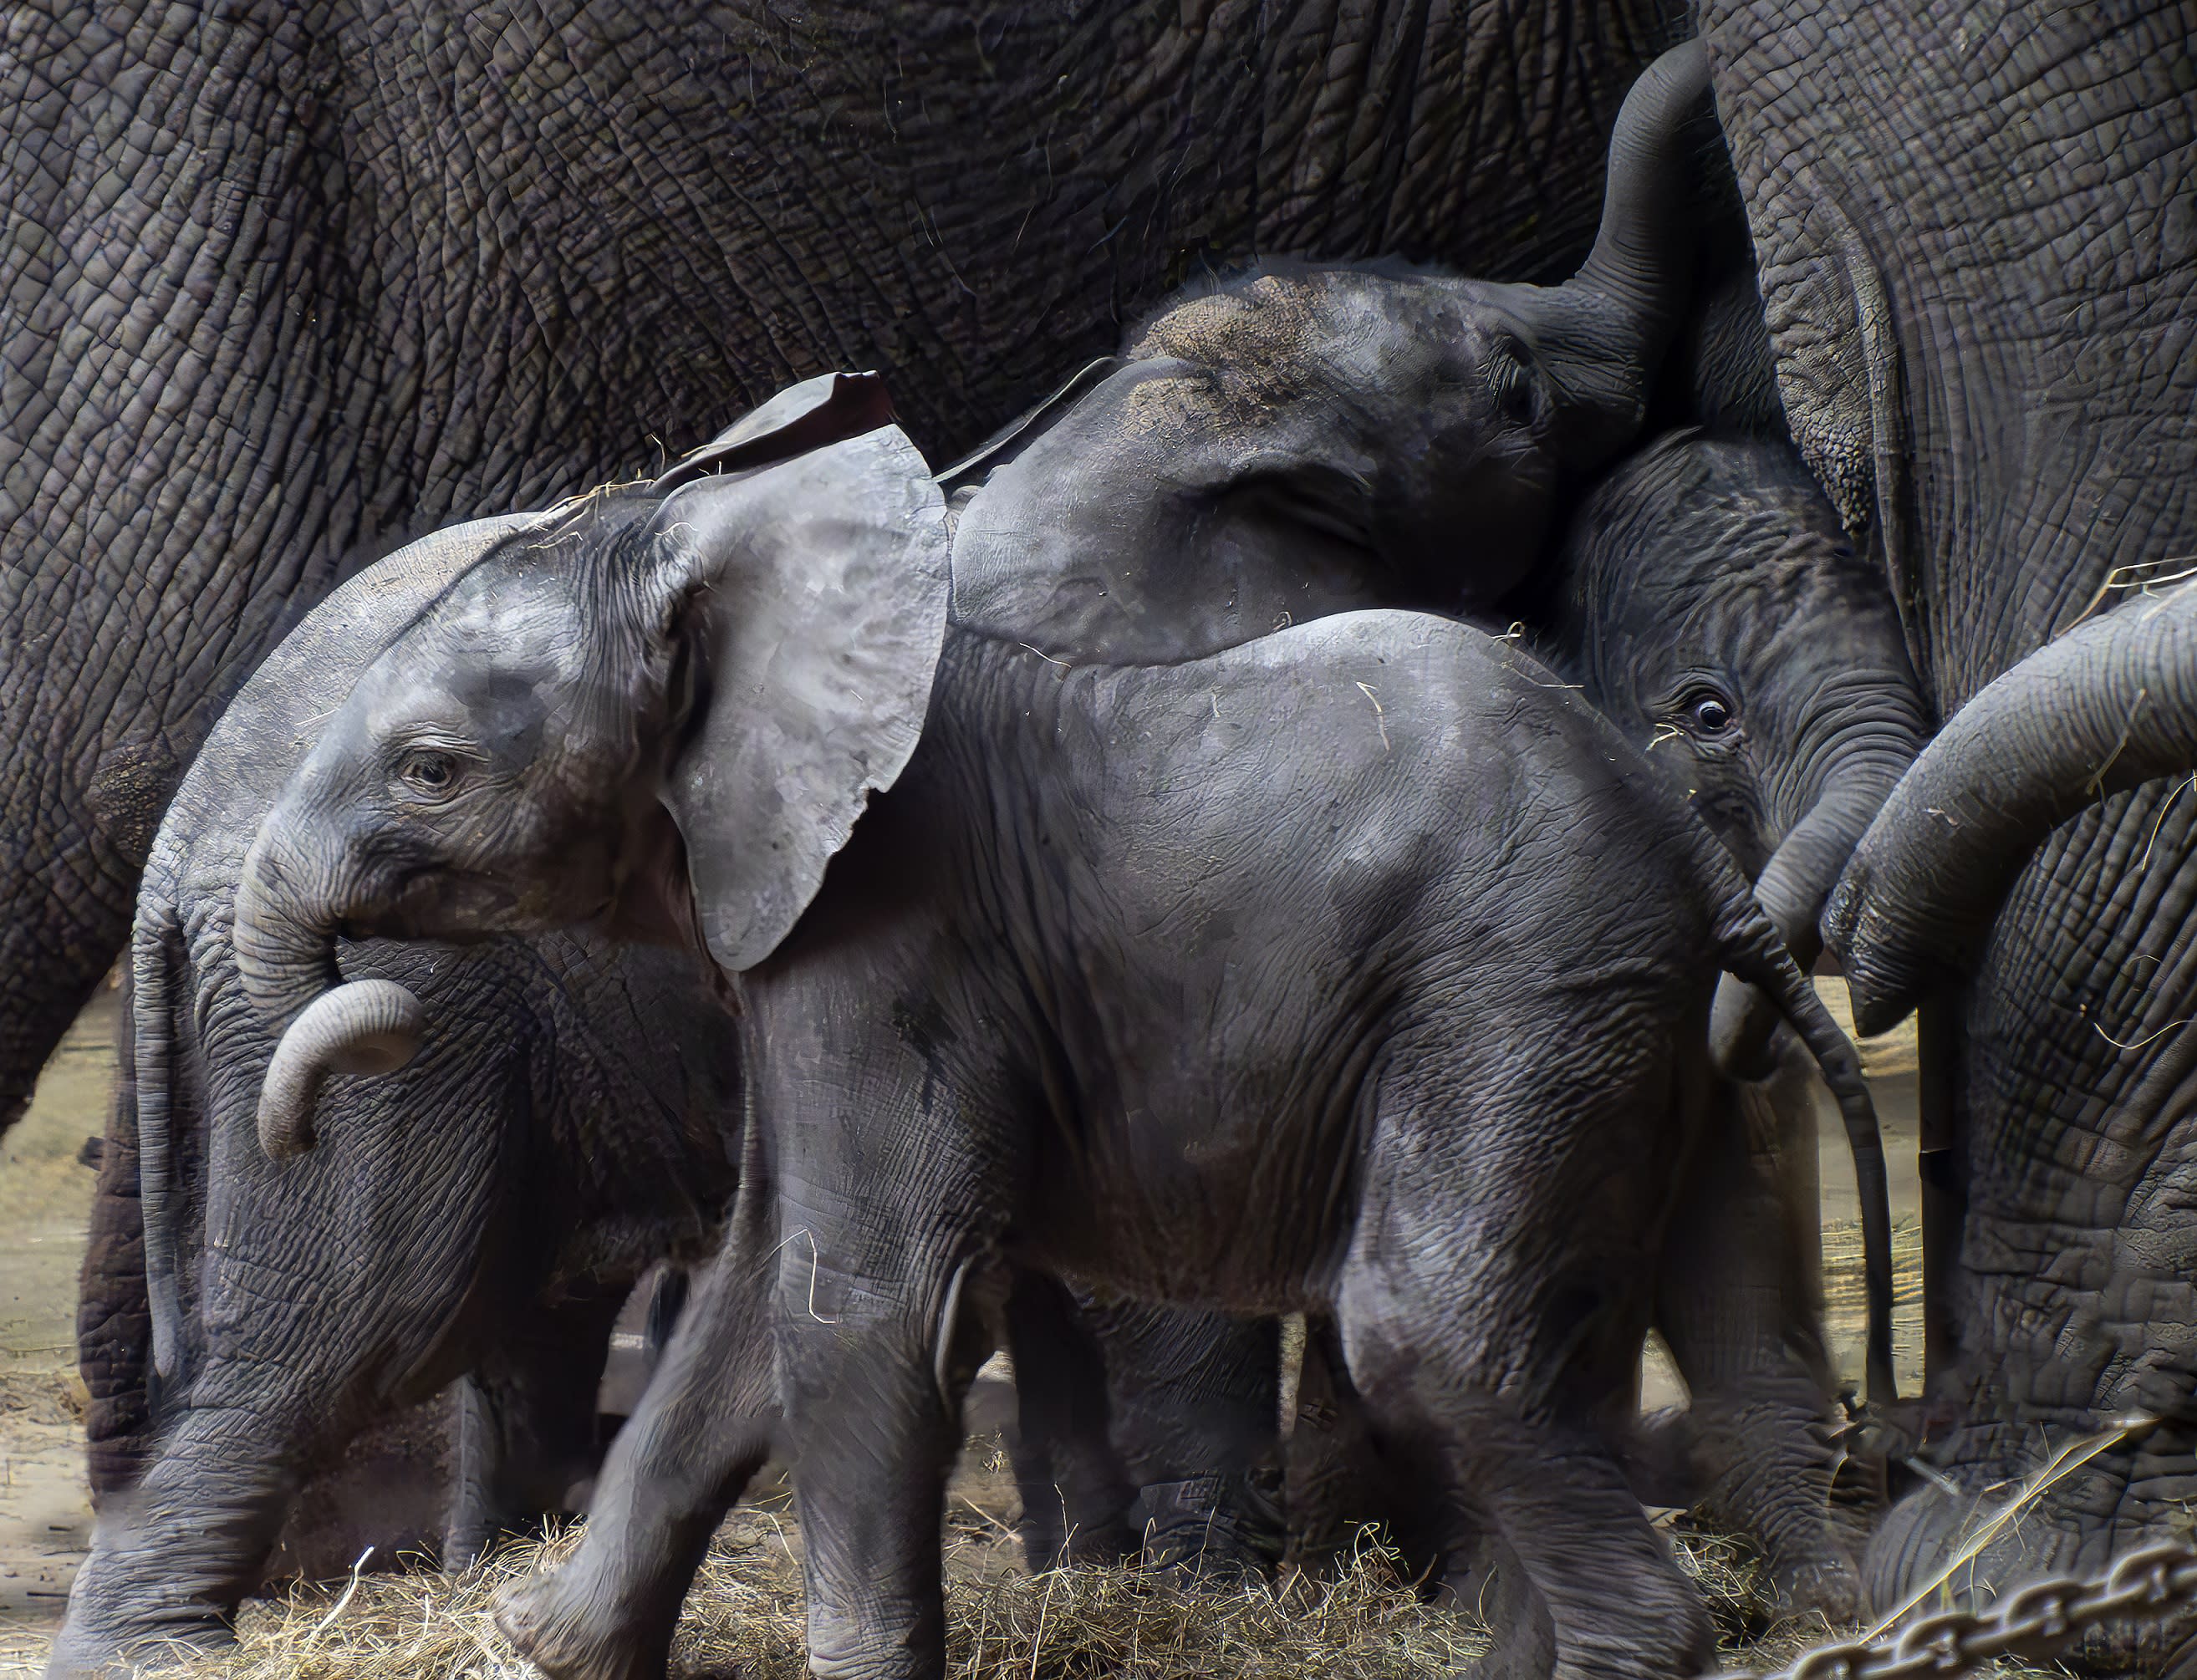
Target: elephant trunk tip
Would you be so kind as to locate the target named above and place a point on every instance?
(367, 1027)
(1879, 994)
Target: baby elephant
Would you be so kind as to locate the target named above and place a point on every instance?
(1363, 967)
(1705, 598)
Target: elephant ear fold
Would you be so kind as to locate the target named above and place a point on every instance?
(812, 594)
(809, 415)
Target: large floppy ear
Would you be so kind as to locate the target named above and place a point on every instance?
(815, 592)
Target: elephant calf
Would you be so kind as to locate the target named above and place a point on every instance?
(1363, 966)
(575, 1114)
(1706, 599)
(483, 1213)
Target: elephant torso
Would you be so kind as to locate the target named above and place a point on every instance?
(1203, 914)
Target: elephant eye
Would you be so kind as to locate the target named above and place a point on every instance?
(1511, 382)
(1707, 714)
(428, 771)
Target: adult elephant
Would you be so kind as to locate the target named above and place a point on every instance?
(280, 285)
(1978, 248)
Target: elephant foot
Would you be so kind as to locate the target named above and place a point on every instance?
(570, 1632)
(1216, 1531)
(84, 1652)
(1830, 1586)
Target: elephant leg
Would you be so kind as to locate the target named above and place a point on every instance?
(1075, 1491)
(703, 1428)
(1738, 1312)
(874, 1436)
(1193, 1398)
(1549, 1546)
(527, 1432)
(1342, 1477)
(171, 1556)
(1491, 1304)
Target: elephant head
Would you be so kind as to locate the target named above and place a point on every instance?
(658, 712)
(1307, 438)
(1712, 606)
(2109, 706)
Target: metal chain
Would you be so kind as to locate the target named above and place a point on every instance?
(2035, 1624)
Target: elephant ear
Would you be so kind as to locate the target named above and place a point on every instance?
(1011, 439)
(814, 591)
(805, 416)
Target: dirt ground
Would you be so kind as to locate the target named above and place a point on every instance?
(45, 1196)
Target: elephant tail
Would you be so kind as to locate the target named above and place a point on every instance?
(1752, 951)
(155, 956)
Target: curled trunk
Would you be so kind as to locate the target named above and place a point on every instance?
(367, 1027)
(285, 936)
(2107, 707)
(285, 944)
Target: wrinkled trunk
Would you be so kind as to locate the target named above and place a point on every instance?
(1603, 332)
(285, 933)
(2110, 705)
(285, 943)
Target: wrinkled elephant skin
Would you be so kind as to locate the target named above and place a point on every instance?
(1978, 255)
(282, 286)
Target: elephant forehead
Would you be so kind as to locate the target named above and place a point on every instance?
(522, 623)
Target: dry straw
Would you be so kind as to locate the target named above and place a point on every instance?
(743, 1619)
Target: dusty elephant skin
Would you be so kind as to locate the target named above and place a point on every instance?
(282, 286)
(1979, 260)
(1010, 1027)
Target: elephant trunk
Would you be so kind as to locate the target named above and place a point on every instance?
(2109, 706)
(1621, 310)
(285, 944)
(1793, 889)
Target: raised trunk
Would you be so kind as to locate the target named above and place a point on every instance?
(2110, 705)
(1604, 331)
